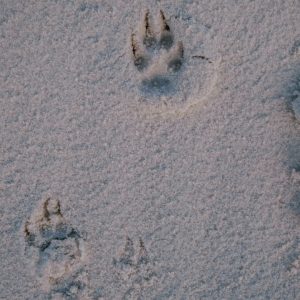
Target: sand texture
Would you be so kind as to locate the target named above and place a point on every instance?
(149, 149)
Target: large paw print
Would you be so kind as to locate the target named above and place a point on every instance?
(56, 250)
(171, 78)
(157, 56)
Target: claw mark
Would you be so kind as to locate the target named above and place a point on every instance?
(128, 252)
(26, 230)
(149, 39)
(166, 39)
(134, 45)
(58, 209)
(164, 22)
(140, 61)
(202, 57)
(46, 214)
(176, 62)
(28, 235)
(142, 255)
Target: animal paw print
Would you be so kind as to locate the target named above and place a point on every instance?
(134, 267)
(56, 249)
(157, 56)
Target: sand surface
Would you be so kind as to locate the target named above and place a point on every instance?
(140, 160)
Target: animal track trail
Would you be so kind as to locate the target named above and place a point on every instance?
(169, 79)
(56, 250)
(135, 268)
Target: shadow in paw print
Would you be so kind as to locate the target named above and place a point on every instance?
(291, 91)
(292, 153)
(157, 58)
(294, 204)
(157, 85)
(72, 287)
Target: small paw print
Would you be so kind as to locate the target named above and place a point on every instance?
(157, 56)
(134, 265)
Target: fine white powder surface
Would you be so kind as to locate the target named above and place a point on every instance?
(120, 183)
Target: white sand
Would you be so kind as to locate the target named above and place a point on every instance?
(186, 191)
